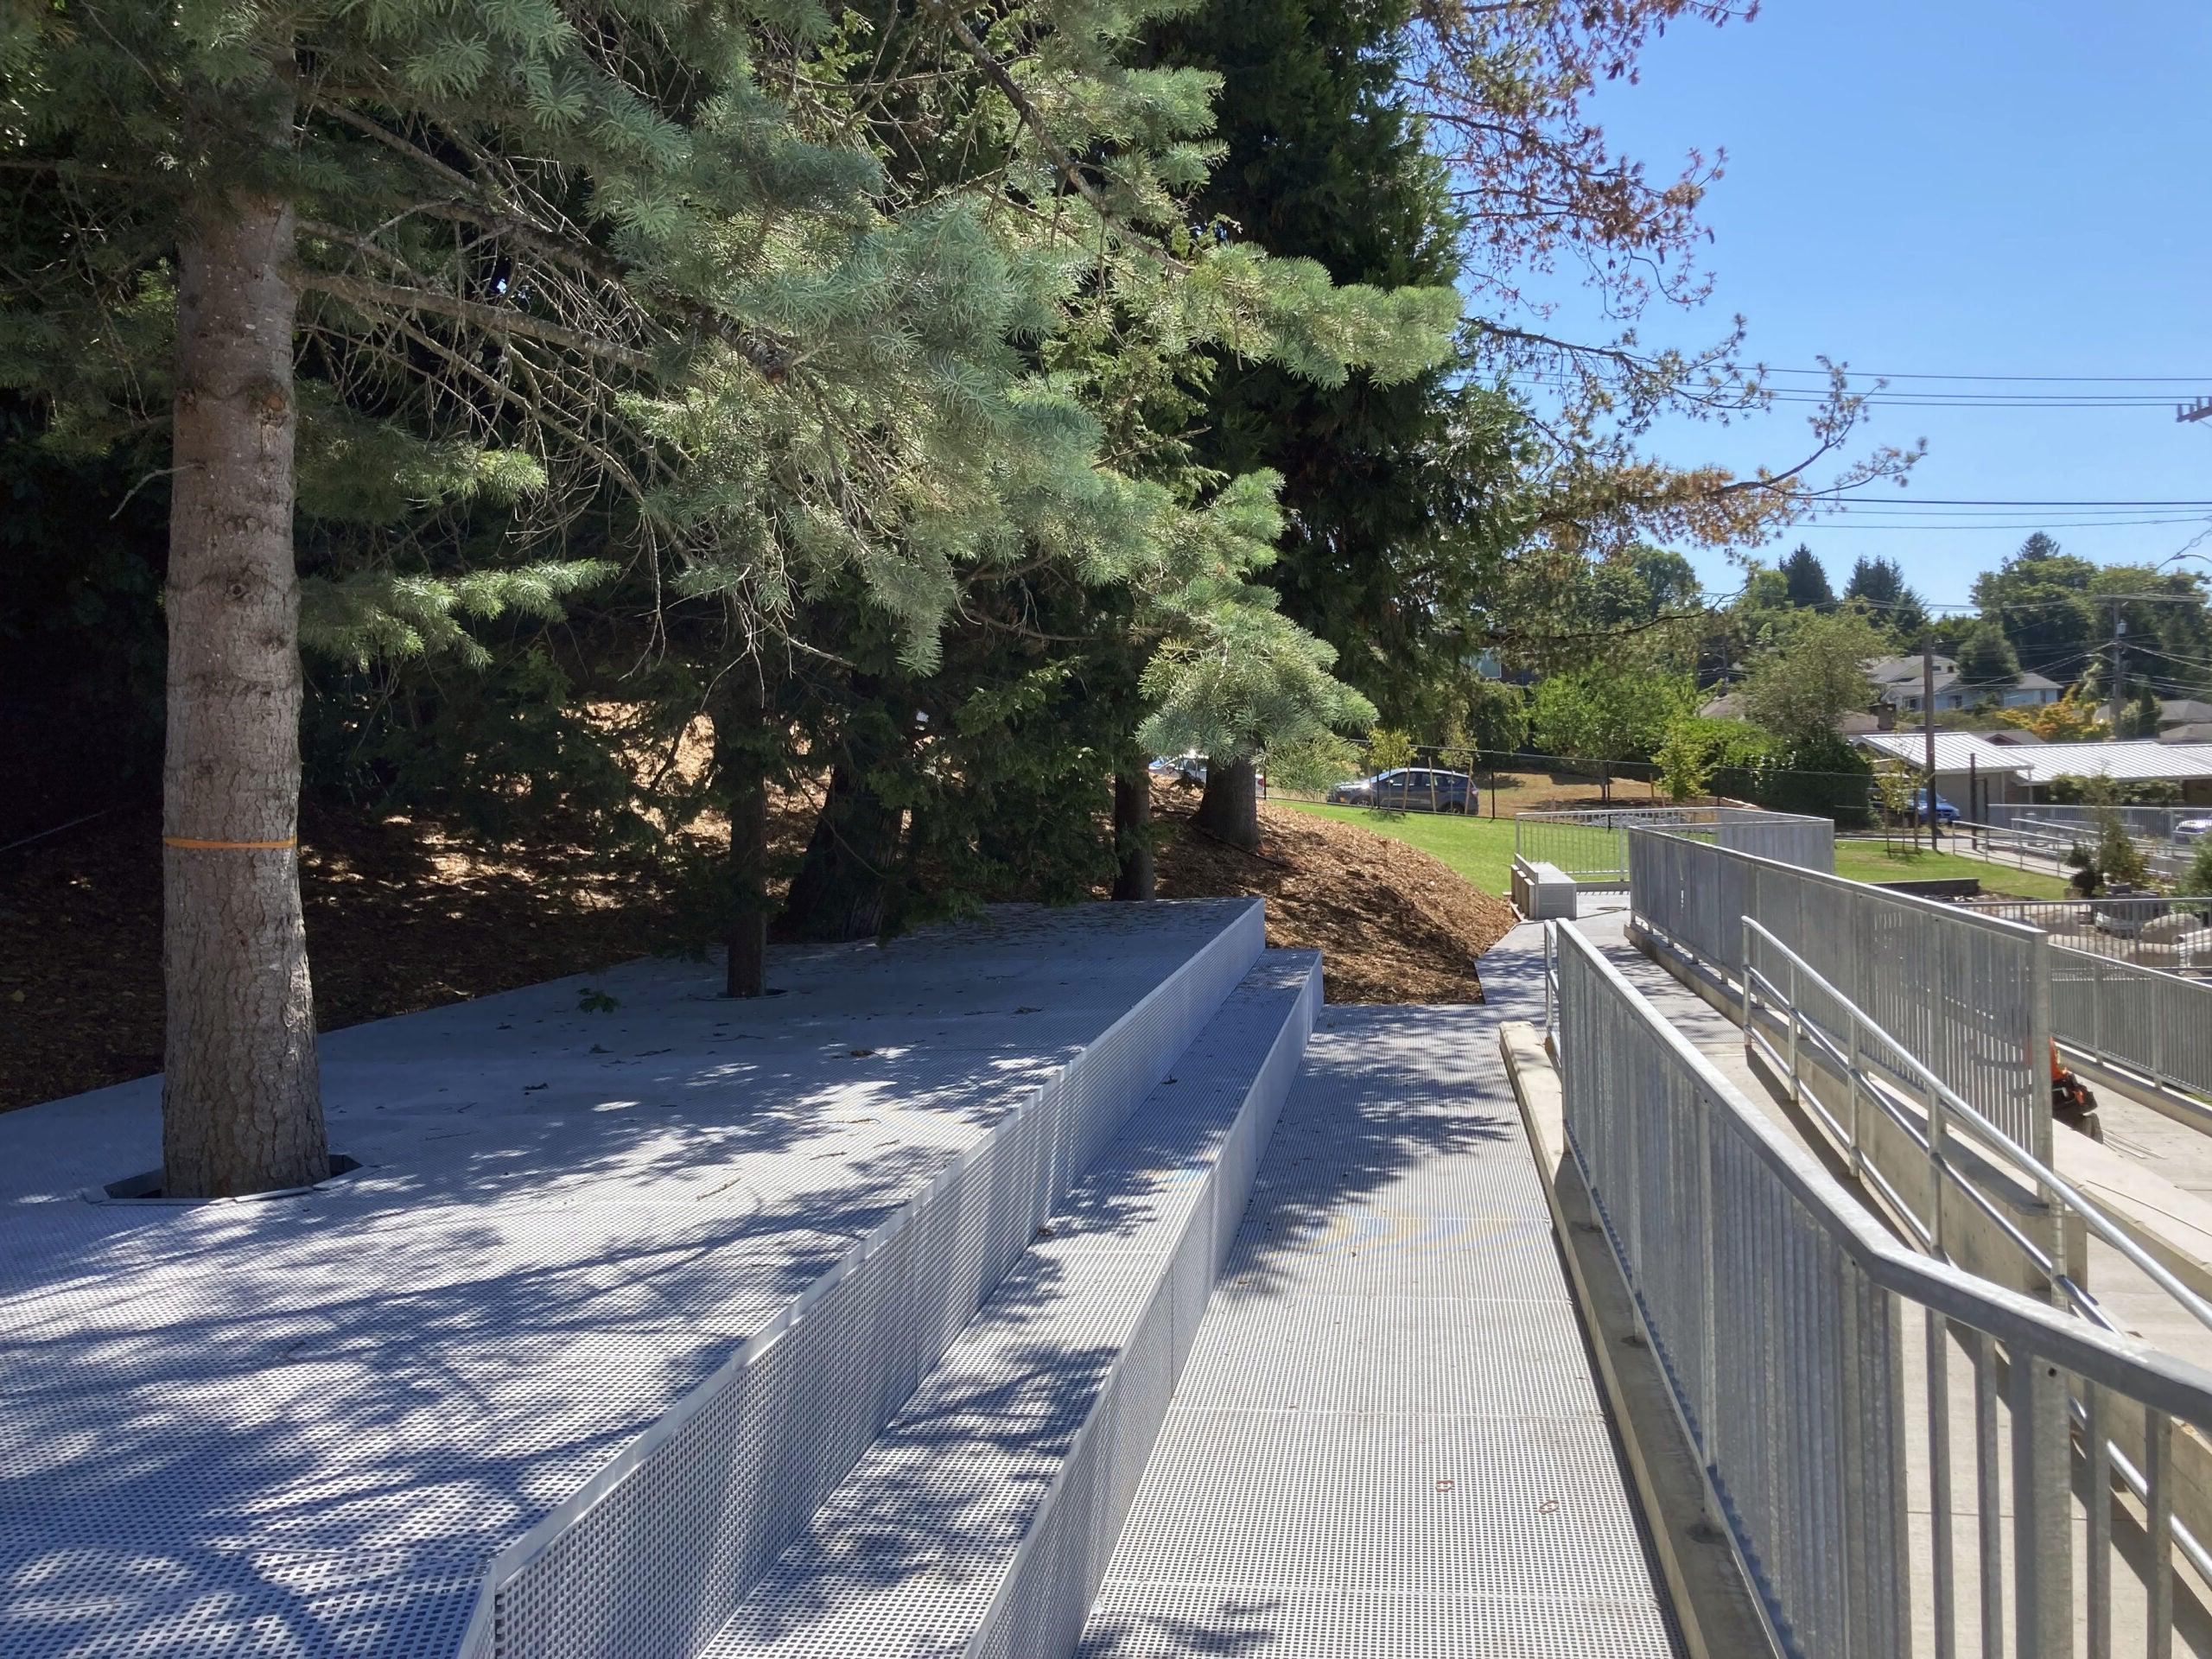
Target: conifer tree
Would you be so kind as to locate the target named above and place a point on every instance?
(414, 291)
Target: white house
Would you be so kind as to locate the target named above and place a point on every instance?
(1898, 682)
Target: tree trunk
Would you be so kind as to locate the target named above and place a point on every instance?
(1133, 879)
(241, 1101)
(842, 887)
(1229, 809)
(741, 759)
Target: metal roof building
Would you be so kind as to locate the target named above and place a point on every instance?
(1993, 772)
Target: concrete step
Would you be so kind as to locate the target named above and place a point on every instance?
(980, 1523)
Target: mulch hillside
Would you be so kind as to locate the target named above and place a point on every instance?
(1392, 923)
(404, 914)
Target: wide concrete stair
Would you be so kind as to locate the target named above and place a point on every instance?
(931, 1451)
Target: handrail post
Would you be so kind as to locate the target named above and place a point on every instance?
(1851, 1112)
(1796, 1088)
(1750, 980)
(2042, 1507)
(1937, 1150)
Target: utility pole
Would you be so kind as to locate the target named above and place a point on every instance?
(1928, 741)
(2199, 409)
(2118, 666)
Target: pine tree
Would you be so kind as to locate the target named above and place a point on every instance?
(1807, 580)
(552, 264)
(1881, 584)
(1396, 495)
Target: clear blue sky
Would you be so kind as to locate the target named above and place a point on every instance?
(1954, 187)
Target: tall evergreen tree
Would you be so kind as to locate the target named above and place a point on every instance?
(2038, 599)
(434, 286)
(1881, 584)
(1395, 495)
(1807, 580)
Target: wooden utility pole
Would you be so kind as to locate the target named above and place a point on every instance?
(2199, 409)
(1927, 742)
(2118, 669)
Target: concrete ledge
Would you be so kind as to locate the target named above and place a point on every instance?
(981, 1522)
(1712, 1599)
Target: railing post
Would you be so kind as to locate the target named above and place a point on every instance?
(1851, 1112)
(1708, 1403)
(1796, 1088)
(2042, 1509)
(1750, 978)
(1938, 1150)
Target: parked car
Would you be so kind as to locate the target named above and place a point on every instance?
(1946, 814)
(2192, 830)
(1406, 789)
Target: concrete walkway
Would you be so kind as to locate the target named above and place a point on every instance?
(1389, 1440)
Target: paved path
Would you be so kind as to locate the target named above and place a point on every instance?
(1388, 1440)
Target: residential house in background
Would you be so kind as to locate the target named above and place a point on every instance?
(1899, 682)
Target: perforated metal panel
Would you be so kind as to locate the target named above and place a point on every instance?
(982, 1520)
(307, 1425)
(1387, 1441)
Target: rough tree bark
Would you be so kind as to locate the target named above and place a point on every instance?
(740, 732)
(1132, 878)
(241, 1102)
(842, 889)
(1229, 809)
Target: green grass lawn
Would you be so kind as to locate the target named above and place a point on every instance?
(1480, 849)
(1869, 860)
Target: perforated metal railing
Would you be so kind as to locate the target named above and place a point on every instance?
(1591, 844)
(2132, 1016)
(1798, 1339)
(1587, 844)
(1969, 995)
(2154, 930)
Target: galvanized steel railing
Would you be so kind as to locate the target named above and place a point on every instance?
(1587, 844)
(1591, 844)
(1877, 1069)
(2152, 929)
(1968, 994)
(1780, 1315)
(2129, 1015)
(2081, 819)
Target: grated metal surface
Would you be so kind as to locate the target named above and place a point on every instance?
(980, 1522)
(742, 1232)
(1387, 1441)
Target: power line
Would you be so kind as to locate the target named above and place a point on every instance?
(2048, 379)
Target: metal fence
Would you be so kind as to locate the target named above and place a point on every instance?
(1799, 1343)
(1968, 994)
(2151, 930)
(2145, 822)
(1591, 844)
(2127, 1014)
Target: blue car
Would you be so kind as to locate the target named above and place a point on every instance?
(1946, 814)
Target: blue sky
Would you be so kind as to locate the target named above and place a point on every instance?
(1955, 187)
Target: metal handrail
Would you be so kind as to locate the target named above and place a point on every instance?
(1946, 1111)
(1789, 1386)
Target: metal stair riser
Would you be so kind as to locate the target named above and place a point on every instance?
(1040, 1612)
(653, 1556)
